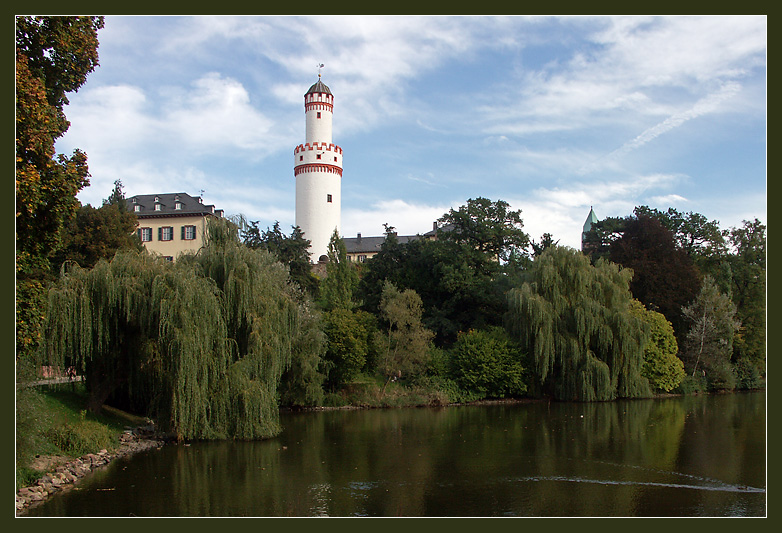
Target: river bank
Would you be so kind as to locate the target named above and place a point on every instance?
(65, 473)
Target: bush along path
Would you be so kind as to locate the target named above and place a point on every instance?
(66, 475)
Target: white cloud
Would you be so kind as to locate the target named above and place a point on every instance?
(408, 218)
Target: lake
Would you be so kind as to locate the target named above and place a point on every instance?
(699, 455)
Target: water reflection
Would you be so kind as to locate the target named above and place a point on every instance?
(692, 456)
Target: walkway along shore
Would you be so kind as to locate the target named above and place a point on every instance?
(65, 476)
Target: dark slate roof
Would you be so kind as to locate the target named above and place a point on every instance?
(371, 245)
(190, 205)
(319, 87)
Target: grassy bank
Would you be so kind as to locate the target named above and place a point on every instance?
(53, 426)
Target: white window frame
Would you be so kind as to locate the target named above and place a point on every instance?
(167, 231)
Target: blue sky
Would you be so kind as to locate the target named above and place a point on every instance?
(551, 114)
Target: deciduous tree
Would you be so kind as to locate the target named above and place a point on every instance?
(574, 320)
(662, 367)
(664, 275)
(98, 233)
(709, 342)
(404, 347)
(54, 55)
(199, 345)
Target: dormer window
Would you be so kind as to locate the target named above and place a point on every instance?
(178, 205)
(157, 198)
(137, 208)
(157, 207)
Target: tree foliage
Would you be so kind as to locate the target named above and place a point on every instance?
(665, 278)
(290, 250)
(487, 227)
(54, 55)
(199, 344)
(662, 367)
(98, 233)
(347, 346)
(574, 320)
(709, 342)
(461, 276)
(747, 266)
(488, 363)
(404, 346)
(338, 288)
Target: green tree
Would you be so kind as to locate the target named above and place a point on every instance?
(404, 347)
(338, 287)
(574, 320)
(709, 343)
(700, 237)
(661, 367)
(347, 346)
(290, 250)
(488, 363)
(461, 276)
(54, 55)
(98, 233)
(748, 292)
(301, 385)
(199, 345)
(546, 241)
(665, 277)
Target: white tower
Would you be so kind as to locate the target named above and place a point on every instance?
(318, 170)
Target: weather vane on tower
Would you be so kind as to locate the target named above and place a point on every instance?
(320, 66)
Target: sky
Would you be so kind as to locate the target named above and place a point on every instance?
(553, 115)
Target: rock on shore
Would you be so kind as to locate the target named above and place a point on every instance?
(65, 475)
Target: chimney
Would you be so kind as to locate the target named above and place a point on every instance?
(434, 226)
(358, 238)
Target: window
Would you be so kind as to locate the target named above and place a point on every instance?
(157, 207)
(165, 233)
(328, 198)
(301, 158)
(178, 205)
(318, 156)
(335, 159)
(188, 233)
(318, 114)
(137, 208)
(145, 234)
(168, 258)
(362, 258)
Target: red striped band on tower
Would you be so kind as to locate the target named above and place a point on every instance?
(317, 167)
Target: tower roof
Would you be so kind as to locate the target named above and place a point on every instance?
(591, 219)
(319, 87)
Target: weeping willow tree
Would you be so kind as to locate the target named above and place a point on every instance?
(575, 321)
(199, 344)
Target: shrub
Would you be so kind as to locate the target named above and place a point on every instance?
(84, 436)
(691, 385)
(747, 375)
(487, 363)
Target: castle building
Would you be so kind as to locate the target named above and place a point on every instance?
(171, 223)
(317, 168)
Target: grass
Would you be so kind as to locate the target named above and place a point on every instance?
(52, 421)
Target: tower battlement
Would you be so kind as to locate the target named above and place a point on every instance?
(328, 147)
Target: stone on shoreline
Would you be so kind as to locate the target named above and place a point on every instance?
(64, 475)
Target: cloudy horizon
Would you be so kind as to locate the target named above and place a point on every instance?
(551, 114)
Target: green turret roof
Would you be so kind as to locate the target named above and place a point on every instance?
(591, 219)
